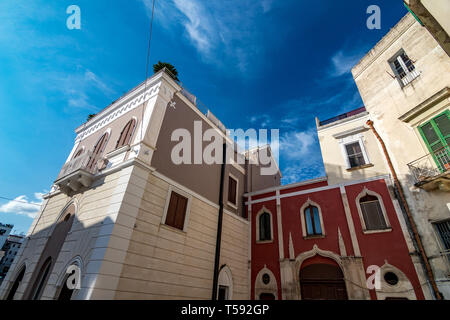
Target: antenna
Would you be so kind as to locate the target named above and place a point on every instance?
(146, 68)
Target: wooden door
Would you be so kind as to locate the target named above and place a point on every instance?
(322, 282)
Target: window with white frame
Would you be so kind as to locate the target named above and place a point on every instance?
(355, 155)
(312, 220)
(264, 226)
(372, 212)
(354, 152)
(403, 68)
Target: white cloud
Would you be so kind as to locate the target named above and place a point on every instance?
(224, 34)
(197, 24)
(343, 61)
(21, 205)
(89, 76)
(266, 5)
(301, 154)
(261, 121)
(297, 144)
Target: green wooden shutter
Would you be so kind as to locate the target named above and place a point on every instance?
(436, 134)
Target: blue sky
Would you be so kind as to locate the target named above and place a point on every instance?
(255, 64)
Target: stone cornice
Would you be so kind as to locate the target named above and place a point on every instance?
(424, 106)
(126, 103)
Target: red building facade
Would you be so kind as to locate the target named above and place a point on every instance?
(315, 241)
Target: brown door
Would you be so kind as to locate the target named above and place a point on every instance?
(322, 282)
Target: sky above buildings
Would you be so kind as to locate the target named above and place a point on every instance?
(274, 64)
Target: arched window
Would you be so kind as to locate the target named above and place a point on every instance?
(312, 220)
(265, 229)
(50, 253)
(372, 213)
(98, 150)
(16, 284)
(79, 152)
(126, 134)
(42, 280)
(66, 293)
(225, 281)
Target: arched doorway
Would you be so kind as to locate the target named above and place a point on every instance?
(16, 284)
(322, 282)
(49, 255)
(66, 293)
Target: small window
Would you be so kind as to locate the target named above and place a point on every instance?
(372, 213)
(355, 155)
(403, 68)
(265, 229)
(265, 278)
(126, 134)
(223, 293)
(313, 225)
(176, 212)
(79, 152)
(443, 230)
(232, 190)
(98, 150)
(391, 278)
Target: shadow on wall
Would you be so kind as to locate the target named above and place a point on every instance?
(40, 270)
(338, 173)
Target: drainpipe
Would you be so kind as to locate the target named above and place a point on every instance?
(219, 226)
(408, 213)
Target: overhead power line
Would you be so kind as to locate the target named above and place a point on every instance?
(34, 204)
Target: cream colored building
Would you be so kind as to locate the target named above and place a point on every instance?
(136, 225)
(404, 82)
(435, 16)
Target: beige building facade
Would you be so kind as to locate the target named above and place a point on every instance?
(434, 15)
(133, 223)
(404, 82)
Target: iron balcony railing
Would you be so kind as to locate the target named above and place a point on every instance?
(431, 165)
(86, 162)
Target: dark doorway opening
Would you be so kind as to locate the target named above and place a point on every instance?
(322, 282)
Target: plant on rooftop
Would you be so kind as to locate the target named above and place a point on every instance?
(172, 71)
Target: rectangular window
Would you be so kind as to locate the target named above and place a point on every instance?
(223, 293)
(403, 68)
(355, 155)
(443, 229)
(436, 134)
(176, 212)
(373, 215)
(232, 190)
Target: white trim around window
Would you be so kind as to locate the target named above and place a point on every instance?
(363, 193)
(166, 208)
(260, 212)
(308, 203)
(350, 140)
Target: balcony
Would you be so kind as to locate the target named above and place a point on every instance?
(79, 173)
(432, 171)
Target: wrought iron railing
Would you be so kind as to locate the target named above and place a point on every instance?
(431, 165)
(87, 161)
